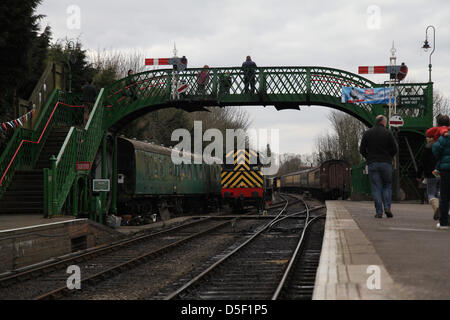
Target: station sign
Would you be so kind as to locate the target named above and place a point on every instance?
(83, 165)
(396, 121)
(411, 101)
(101, 185)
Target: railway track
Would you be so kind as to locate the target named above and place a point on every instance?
(106, 262)
(263, 266)
(49, 281)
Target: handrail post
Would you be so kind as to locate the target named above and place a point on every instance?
(75, 197)
(54, 202)
(308, 86)
(46, 189)
(169, 86)
(104, 176)
(262, 81)
(308, 81)
(114, 179)
(214, 84)
(85, 195)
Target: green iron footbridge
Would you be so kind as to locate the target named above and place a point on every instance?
(62, 185)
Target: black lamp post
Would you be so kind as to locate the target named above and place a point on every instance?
(71, 58)
(426, 47)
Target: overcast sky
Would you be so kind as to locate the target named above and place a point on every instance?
(338, 34)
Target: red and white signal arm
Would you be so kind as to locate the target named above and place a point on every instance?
(398, 72)
(396, 121)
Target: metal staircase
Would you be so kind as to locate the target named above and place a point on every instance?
(25, 195)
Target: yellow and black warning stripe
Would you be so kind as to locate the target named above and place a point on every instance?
(242, 179)
(242, 158)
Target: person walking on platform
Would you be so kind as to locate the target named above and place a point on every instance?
(441, 150)
(88, 98)
(425, 172)
(378, 147)
(249, 68)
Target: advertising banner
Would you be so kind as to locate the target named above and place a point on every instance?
(367, 95)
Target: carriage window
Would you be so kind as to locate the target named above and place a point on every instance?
(155, 168)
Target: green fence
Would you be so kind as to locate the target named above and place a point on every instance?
(80, 145)
(24, 148)
(360, 182)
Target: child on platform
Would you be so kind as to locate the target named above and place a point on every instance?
(443, 122)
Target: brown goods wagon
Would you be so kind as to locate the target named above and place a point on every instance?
(335, 175)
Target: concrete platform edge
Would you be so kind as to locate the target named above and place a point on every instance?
(350, 268)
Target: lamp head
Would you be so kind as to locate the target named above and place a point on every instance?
(426, 45)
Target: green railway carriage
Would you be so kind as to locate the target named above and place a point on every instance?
(149, 181)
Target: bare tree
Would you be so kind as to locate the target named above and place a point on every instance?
(441, 104)
(343, 143)
(114, 65)
(291, 162)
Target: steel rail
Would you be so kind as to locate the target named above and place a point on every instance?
(296, 251)
(94, 252)
(125, 265)
(219, 262)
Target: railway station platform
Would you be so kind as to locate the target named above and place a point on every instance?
(365, 258)
(29, 239)
(14, 221)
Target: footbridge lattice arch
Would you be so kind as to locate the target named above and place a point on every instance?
(129, 98)
(282, 87)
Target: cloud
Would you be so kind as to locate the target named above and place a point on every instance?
(275, 33)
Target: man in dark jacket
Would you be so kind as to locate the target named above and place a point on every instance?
(378, 146)
(249, 68)
(441, 150)
(88, 97)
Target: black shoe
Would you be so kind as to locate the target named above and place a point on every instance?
(379, 215)
(389, 214)
(437, 214)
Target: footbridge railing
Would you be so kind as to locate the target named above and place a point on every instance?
(24, 148)
(283, 87)
(80, 145)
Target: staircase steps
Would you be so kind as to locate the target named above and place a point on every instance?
(25, 195)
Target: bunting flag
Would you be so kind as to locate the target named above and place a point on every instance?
(19, 122)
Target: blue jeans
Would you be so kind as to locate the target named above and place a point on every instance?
(380, 176)
(432, 188)
(445, 197)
